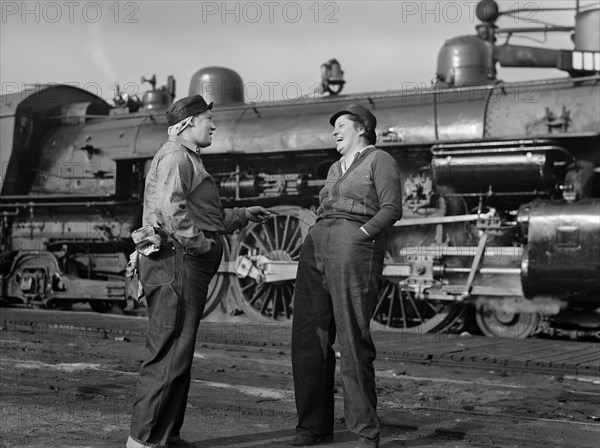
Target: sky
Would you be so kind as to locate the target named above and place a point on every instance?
(277, 47)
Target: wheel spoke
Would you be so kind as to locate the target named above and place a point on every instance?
(282, 299)
(293, 239)
(275, 299)
(272, 240)
(430, 305)
(266, 300)
(247, 247)
(382, 297)
(259, 240)
(290, 292)
(391, 306)
(248, 286)
(410, 298)
(256, 294)
(277, 231)
(404, 316)
(295, 254)
(286, 227)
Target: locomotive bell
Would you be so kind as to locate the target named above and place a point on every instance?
(218, 84)
(156, 99)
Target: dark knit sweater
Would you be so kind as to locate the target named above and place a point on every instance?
(369, 192)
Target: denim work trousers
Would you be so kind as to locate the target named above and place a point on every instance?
(339, 276)
(176, 287)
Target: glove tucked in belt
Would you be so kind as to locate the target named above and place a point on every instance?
(147, 240)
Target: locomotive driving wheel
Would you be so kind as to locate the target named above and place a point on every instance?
(280, 238)
(398, 309)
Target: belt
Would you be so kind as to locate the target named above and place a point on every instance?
(211, 234)
(167, 237)
(344, 218)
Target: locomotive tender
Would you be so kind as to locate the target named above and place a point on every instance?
(501, 188)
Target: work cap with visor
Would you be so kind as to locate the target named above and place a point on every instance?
(181, 112)
(365, 116)
(187, 107)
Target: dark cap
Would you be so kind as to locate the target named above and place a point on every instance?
(364, 115)
(186, 107)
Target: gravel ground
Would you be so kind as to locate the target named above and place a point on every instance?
(76, 390)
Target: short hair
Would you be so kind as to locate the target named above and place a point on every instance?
(371, 136)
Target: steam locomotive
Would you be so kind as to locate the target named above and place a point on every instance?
(501, 189)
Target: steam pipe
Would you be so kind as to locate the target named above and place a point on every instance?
(533, 141)
(521, 56)
(442, 152)
(512, 11)
(548, 29)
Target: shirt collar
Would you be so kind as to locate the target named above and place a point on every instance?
(183, 142)
(356, 154)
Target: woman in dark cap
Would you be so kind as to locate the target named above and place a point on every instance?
(339, 275)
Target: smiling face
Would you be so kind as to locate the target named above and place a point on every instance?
(202, 128)
(348, 134)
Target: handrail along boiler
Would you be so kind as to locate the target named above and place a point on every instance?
(501, 201)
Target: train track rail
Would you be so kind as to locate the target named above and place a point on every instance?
(528, 355)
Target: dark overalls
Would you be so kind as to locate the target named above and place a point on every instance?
(180, 198)
(176, 287)
(337, 283)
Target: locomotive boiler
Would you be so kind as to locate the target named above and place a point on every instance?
(501, 189)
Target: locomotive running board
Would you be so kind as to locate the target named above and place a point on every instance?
(264, 270)
(491, 252)
(441, 220)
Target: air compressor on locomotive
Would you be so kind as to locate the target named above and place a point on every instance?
(501, 188)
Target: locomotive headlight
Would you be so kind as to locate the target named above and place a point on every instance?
(332, 77)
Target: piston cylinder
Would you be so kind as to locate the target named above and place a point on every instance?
(504, 171)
